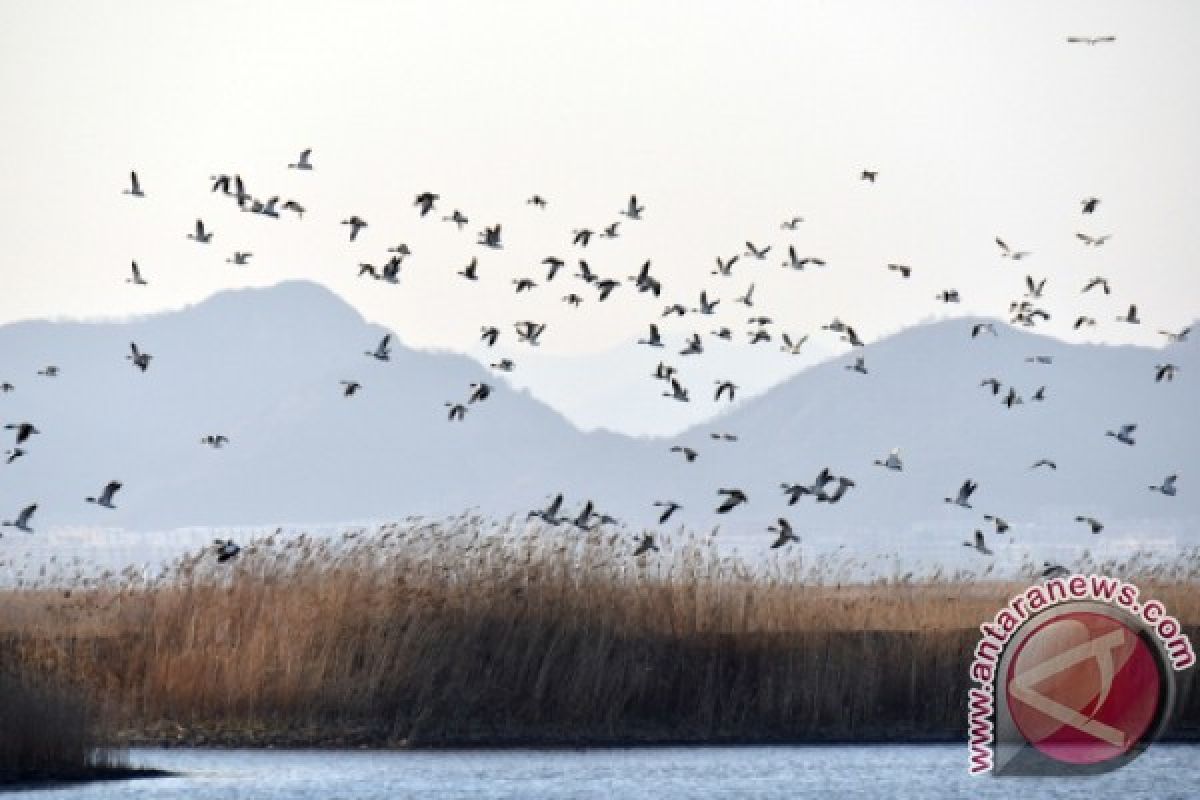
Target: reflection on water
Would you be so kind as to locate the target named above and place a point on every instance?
(1165, 771)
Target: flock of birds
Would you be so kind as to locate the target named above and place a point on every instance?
(824, 488)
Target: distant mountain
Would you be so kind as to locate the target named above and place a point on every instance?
(262, 366)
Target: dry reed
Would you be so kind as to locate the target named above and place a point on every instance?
(463, 632)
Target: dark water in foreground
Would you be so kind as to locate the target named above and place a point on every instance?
(1165, 771)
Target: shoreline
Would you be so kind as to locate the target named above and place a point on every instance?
(203, 738)
(37, 779)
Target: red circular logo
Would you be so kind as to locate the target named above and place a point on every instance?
(1083, 688)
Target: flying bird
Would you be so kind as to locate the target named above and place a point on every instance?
(227, 549)
(457, 411)
(356, 224)
(1044, 462)
(140, 360)
(964, 494)
(1097, 281)
(725, 387)
(1091, 40)
(215, 441)
(469, 271)
(1008, 252)
(22, 521)
(382, 351)
(783, 533)
(200, 235)
(632, 209)
(978, 544)
(1124, 435)
(302, 162)
(135, 186)
(106, 497)
(904, 270)
(549, 514)
(733, 499)
(892, 461)
(1094, 524)
(1165, 371)
(645, 545)
(669, 508)
(1089, 204)
(1167, 487)
(350, 387)
(1093, 241)
(425, 201)
(1001, 525)
(24, 430)
(688, 453)
(136, 278)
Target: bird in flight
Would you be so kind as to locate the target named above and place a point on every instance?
(783, 533)
(892, 461)
(1167, 487)
(21, 523)
(470, 270)
(725, 267)
(653, 340)
(549, 514)
(669, 508)
(1008, 252)
(978, 544)
(528, 331)
(426, 200)
(645, 545)
(490, 237)
(1033, 289)
(964, 494)
(1089, 204)
(227, 549)
(1094, 524)
(350, 387)
(200, 235)
(1165, 371)
(1091, 40)
(135, 186)
(733, 499)
(791, 224)
(457, 411)
(1124, 435)
(980, 327)
(215, 441)
(382, 351)
(1093, 241)
(1097, 281)
(859, 365)
(755, 252)
(632, 209)
(689, 454)
(136, 278)
(792, 346)
(536, 200)
(1044, 462)
(904, 270)
(869, 175)
(302, 162)
(1130, 316)
(106, 497)
(24, 430)
(13, 454)
(356, 224)
(724, 387)
(140, 360)
(1174, 337)
(1002, 526)
(678, 392)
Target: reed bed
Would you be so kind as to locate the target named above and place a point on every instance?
(49, 730)
(469, 632)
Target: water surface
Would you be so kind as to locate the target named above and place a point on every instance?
(874, 771)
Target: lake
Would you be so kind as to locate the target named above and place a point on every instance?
(873, 771)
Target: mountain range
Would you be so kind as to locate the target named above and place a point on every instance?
(263, 366)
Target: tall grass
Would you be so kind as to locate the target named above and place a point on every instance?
(461, 632)
(48, 729)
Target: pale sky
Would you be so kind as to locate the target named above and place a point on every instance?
(724, 118)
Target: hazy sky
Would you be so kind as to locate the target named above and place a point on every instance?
(724, 118)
